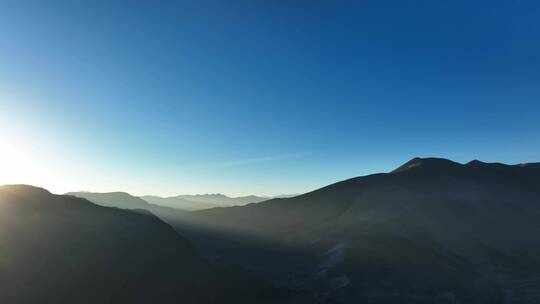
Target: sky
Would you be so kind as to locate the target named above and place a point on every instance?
(260, 97)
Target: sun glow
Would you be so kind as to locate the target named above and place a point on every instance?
(17, 166)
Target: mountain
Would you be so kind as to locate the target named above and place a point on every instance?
(127, 201)
(64, 249)
(202, 201)
(114, 199)
(431, 231)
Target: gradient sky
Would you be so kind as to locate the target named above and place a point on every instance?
(260, 97)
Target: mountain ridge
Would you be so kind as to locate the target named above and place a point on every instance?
(194, 202)
(442, 217)
(443, 163)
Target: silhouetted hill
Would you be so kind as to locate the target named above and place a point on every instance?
(63, 249)
(430, 231)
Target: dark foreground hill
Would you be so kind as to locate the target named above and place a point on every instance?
(432, 231)
(63, 249)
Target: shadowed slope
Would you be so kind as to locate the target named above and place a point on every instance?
(63, 249)
(432, 230)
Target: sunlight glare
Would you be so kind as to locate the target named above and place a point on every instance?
(17, 166)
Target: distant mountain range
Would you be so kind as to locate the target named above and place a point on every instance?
(63, 249)
(204, 201)
(180, 202)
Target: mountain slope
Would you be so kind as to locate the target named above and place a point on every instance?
(114, 199)
(126, 201)
(430, 231)
(63, 249)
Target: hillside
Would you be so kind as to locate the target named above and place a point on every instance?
(431, 230)
(127, 201)
(63, 249)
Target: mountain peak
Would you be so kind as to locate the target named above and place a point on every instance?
(475, 163)
(21, 188)
(443, 165)
(432, 163)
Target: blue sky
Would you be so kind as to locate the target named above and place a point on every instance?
(262, 97)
